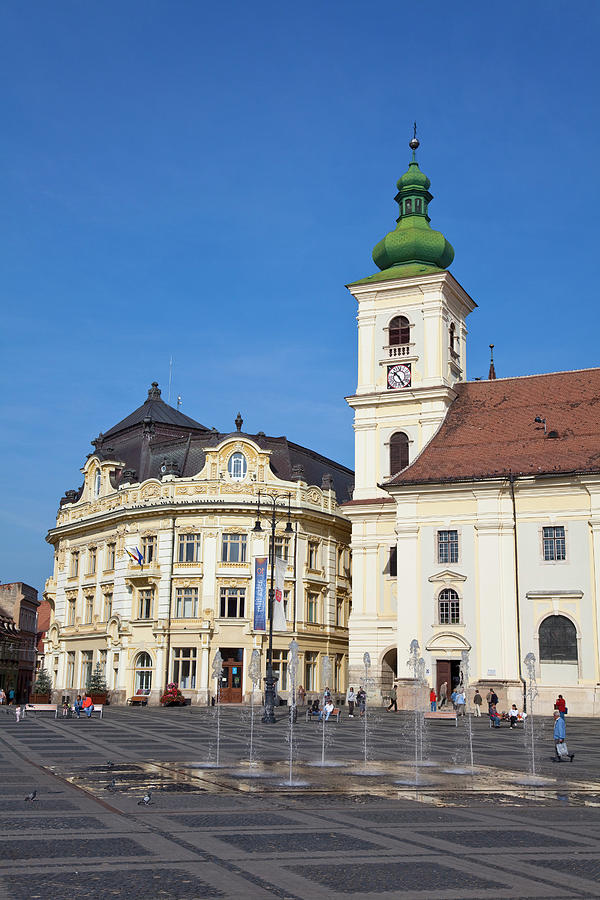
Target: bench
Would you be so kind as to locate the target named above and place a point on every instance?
(138, 700)
(443, 714)
(314, 716)
(42, 707)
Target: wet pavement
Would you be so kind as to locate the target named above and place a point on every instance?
(241, 830)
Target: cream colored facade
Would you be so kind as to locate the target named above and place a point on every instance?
(148, 625)
(498, 622)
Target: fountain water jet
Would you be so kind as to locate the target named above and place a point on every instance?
(326, 676)
(254, 675)
(217, 671)
(532, 693)
(417, 664)
(292, 667)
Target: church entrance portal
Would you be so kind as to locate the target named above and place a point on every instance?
(231, 679)
(446, 670)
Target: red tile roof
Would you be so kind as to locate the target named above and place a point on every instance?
(489, 430)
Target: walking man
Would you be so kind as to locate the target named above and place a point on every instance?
(477, 701)
(393, 699)
(443, 694)
(560, 734)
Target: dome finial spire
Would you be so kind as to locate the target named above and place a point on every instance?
(414, 141)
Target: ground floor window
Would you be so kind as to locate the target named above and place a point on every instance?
(338, 672)
(70, 669)
(184, 667)
(143, 673)
(86, 667)
(310, 671)
(280, 668)
(115, 671)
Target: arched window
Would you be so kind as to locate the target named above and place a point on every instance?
(558, 640)
(143, 673)
(399, 331)
(448, 607)
(97, 483)
(237, 466)
(452, 336)
(398, 452)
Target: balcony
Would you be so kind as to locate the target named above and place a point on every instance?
(398, 351)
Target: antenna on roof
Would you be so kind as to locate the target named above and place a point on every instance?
(170, 378)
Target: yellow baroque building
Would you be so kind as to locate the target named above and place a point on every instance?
(182, 498)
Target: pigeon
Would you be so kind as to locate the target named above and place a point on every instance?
(112, 786)
(31, 796)
(145, 800)
(109, 764)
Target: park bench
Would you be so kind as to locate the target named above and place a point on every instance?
(42, 707)
(314, 716)
(137, 700)
(443, 714)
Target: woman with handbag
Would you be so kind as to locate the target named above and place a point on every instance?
(560, 743)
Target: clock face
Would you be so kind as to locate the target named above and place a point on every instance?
(398, 376)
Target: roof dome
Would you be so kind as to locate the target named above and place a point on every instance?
(413, 178)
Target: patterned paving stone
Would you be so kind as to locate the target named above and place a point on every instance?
(79, 848)
(393, 876)
(50, 823)
(302, 842)
(233, 819)
(583, 868)
(140, 884)
(496, 839)
(43, 805)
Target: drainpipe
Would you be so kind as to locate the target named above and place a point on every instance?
(511, 481)
(170, 602)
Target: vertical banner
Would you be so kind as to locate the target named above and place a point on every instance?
(279, 623)
(260, 593)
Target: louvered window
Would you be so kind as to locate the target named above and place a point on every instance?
(398, 452)
(399, 331)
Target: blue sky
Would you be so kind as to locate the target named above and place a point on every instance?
(201, 180)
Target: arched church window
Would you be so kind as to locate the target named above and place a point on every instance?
(237, 466)
(408, 206)
(558, 640)
(448, 607)
(143, 673)
(398, 452)
(418, 205)
(399, 331)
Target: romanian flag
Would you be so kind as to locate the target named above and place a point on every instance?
(135, 554)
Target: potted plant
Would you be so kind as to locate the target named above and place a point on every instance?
(172, 696)
(42, 689)
(97, 687)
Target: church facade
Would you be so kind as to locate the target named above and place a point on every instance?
(476, 511)
(154, 560)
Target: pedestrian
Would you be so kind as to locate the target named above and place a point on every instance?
(351, 697)
(453, 699)
(560, 736)
(361, 701)
(443, 693)
(393, 699)
(513, 715)
(491, 698)
(432, 700)
(561, 706)
(494, 716)
(326, 694)
(301, 694)
(477, 701)
(460, 703)
(11, 696)
(18, 713)
(77, 706)
(88, 706)
(2, 697)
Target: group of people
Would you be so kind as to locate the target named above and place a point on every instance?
(323, 707)
(79, 705)
(7, 698)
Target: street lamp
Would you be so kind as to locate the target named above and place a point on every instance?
(270, 680)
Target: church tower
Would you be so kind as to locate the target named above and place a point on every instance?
(411, 352)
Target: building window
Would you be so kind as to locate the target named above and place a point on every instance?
(189, 548)
(280, 668)
(97, 483)
(143, 673)
(149, 549)
(399, 331)
(75, 563)
(237, 466)
(186, 606)
(286, 600)
(233, 602)
(558, 640)
(340, 612)
(184, 667)
(102, 660)
(92, 557)
(310, 671)
(70, 669)
(115, 671)
(86, 667)
(407, 206)
(398, 452)
(108, 600)
(338, 672)
(111, 552)
(145, 603)
(452, 336)
(554, 543)
(71, 612)
(392, 568)
(89, 608)
(418, 205)
(282, 548)
(312, 607)
(448, 607)
(234, 548)
(313, 555)
(447, 543)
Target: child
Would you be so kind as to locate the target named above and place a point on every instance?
(513, 715)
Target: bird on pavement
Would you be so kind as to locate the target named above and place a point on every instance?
(145, 800)
(31, 796)
(112, 786)
(109, 763)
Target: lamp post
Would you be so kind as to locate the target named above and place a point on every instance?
(270, 680)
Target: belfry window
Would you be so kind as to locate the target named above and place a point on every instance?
(452, 336)
(407, 206)
(418, 205)
(399, 331)
(398, 452)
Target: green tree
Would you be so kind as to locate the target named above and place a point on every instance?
(96, 682)
(43, 684)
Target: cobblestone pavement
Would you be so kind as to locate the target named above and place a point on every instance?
(213, 832)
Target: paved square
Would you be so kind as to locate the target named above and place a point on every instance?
(244, 831)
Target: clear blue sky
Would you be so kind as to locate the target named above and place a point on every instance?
(202, 180)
